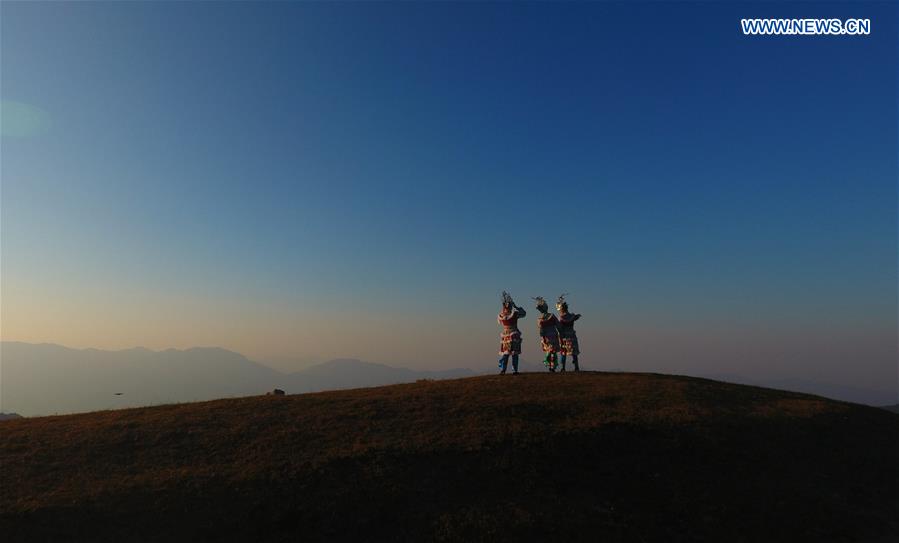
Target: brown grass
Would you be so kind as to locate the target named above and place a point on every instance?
(611, 456)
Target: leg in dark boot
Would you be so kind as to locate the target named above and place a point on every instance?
(574, 361)
(563, 357)
(514, 364)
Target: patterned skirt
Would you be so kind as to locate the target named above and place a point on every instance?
(550, 344)
(510, 343)
(570, 346)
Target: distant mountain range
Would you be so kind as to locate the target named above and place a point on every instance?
(46, 379)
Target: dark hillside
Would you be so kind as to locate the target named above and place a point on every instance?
(591, 457)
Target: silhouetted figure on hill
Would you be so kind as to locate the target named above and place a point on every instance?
(549, 336)
(567, 335)
(510, 339)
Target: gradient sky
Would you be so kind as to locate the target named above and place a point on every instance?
(300, 181)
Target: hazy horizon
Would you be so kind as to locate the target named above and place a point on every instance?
(299, 182)
(46, 376)
(83, 380)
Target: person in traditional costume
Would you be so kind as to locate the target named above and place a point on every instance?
(549, 336)
(567, 335)
(510, 339)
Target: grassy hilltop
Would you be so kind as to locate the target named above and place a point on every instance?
(535, 457)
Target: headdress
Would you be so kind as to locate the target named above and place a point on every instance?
(541, 303)
(560, 303)
(507, 299)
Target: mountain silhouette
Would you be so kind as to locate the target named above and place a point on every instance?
(46, 379)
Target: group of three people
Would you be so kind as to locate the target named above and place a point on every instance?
(557, 336)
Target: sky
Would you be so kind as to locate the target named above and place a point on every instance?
(306, 181)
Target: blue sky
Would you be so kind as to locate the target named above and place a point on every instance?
(320, 180)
